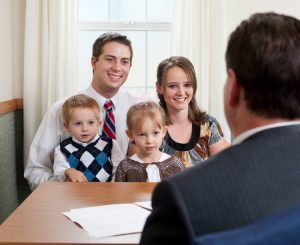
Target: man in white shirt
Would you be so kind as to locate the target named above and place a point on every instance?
(111, 63)
(260, 174)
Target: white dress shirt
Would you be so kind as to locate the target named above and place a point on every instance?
(51, 132)
(61, 163)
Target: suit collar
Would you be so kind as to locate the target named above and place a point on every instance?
(244, 136)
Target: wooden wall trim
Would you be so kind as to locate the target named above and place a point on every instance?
(10, 105)
(19, 103)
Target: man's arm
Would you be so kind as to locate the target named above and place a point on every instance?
(60, 164)
(116, 157)
(167, 223)
(39, 166)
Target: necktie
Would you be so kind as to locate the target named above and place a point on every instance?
(109, 129)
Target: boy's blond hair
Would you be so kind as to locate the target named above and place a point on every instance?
(137, 114)
(79, 101)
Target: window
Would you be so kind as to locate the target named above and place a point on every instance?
(147, 23)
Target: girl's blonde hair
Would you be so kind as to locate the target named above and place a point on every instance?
(79, 101)
(137, 114)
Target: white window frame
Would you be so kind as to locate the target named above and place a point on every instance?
(129, 25)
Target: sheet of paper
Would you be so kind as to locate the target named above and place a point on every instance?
(110, 220)
(146, 204)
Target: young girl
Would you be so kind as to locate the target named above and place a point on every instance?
(146, 128)
(85, 156)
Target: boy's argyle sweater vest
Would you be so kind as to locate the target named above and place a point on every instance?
(93, 160)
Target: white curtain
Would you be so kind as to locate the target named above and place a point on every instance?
(198, 29)
(49, 59)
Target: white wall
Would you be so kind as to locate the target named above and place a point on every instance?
(230, 14)
(12, 13)
(18, 25)
(6, 70)
(236, 10)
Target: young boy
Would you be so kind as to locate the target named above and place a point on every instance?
(85, 156)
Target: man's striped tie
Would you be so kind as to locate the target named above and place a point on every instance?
(109, 129)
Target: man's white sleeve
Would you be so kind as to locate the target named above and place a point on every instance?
(60, 165)
(39, 166)
(116, 157)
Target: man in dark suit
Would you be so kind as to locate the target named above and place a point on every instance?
(260, 173)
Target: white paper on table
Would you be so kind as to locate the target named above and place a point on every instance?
(110, 220)
(146, 205)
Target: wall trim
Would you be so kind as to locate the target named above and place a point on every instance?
(11, 105)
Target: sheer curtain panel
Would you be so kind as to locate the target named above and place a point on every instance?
(49, 59)
(198, 33)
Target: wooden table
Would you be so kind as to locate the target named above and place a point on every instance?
(39, 218)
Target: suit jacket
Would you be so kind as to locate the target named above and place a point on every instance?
(238, 186)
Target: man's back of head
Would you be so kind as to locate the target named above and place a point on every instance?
(264, 53)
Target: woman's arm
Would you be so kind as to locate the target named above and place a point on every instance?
(218, 146)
